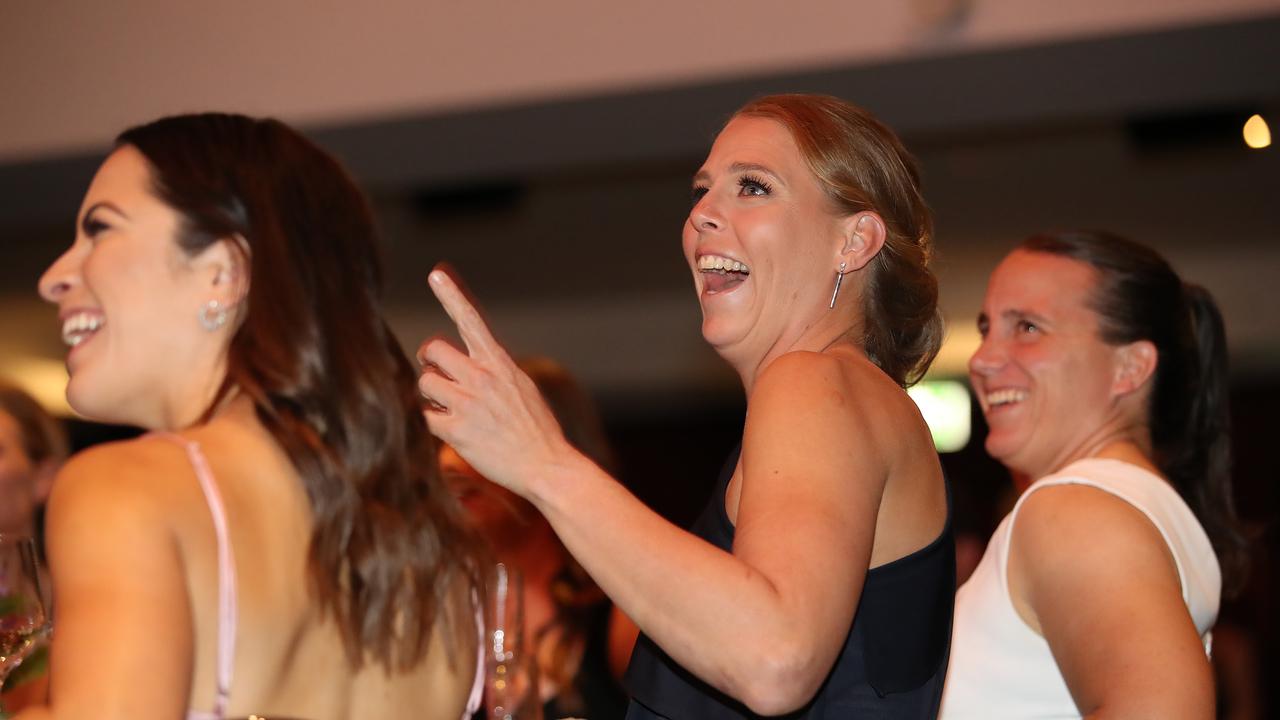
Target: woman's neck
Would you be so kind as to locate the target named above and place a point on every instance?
(1128, 443)
(205, 407)
(192, 396)
(1128, 451)
(824, 334)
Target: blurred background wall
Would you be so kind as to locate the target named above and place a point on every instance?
(545, 149)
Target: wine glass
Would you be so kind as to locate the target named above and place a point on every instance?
(511, 674)
(23, 620)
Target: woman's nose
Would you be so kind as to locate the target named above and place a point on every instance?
(60, 277)
(705, 215)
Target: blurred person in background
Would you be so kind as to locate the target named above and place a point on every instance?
(281, 543)
(580, 642)
(33, 445)
(819, 580)
(1103, 379)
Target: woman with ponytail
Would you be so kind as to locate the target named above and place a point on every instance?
(280, 544)
(1102, 376)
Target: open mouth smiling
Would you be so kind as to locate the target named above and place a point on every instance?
(80, 326)
(721, 274)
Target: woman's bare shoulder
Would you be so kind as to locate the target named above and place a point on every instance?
(803, 373)
(120, 467)
(846, 383)
(1092, 531)
(797, 364)
(127, 485)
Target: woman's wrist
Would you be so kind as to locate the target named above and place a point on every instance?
(554, 481)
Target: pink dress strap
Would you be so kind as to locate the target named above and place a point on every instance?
(227, 611)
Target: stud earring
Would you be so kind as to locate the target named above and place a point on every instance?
(213, 316)
(839, 278)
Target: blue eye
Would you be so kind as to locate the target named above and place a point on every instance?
(754, 186)
(1027, 327)
(696, 194)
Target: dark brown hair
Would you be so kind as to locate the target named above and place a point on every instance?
(863, 166)
(41, 434)
(573, 408)
(326, 376)
(1138, 296)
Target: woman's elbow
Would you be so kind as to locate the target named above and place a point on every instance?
(782, 681)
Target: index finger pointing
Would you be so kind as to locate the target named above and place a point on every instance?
(471, 326)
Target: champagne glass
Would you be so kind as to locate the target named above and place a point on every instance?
(511, 677)
(23, 620)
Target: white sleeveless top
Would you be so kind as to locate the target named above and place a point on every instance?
(1000, 667)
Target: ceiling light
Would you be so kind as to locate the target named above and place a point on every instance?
(1256, 133)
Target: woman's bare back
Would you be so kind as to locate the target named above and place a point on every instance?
(290, 658)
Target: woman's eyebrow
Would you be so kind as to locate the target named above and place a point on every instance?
(104, 204)
(739, 167)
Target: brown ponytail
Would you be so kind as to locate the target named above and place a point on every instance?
(1140, 297)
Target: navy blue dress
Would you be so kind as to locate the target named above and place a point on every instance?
(893, 662)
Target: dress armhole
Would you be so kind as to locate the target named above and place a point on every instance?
(1003, 565)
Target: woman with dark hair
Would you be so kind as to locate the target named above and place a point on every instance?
(32, 448)
(280, 543)
(819, 580)
(1102, 376)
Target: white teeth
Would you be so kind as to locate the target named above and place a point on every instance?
(1005, 397)
(716, 262)
(76, 328)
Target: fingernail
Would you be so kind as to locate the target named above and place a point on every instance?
(436, 277)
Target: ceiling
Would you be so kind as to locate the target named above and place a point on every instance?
(564, 215)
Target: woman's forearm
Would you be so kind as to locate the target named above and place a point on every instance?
(716, 615)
